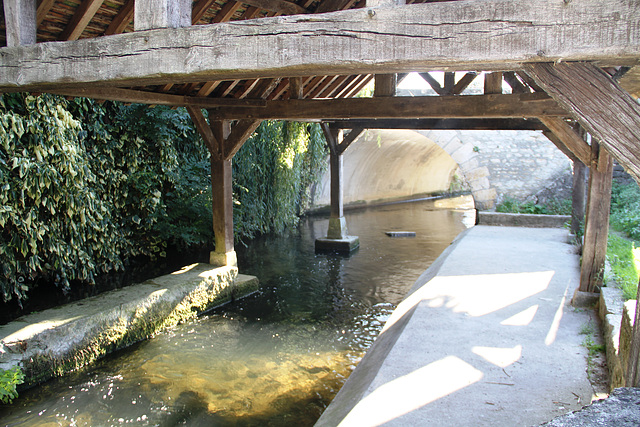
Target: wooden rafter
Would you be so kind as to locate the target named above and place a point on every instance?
(574, 142)
(122, 19)
(516, 85)
(463, 83)
(43, 9)
(227, 11)
(81, 19)
(448, 124)
(199, 9)
(604, 109)
(279, 6)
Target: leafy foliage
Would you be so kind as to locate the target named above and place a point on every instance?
(86, 187)
(625, 209)
(555, 207)
(624, 258)
(9, 380)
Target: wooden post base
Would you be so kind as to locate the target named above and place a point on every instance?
(223, 259)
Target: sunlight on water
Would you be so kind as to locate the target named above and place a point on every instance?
(275, 358)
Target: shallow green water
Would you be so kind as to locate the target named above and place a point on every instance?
(276, 358)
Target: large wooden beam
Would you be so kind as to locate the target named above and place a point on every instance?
(20, 22)
(461, 35)
(472, 106)
(602, 107)
(569, 137)
(448, 124)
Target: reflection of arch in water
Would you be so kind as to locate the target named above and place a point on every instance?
(389, 164)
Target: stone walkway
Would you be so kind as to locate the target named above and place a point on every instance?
(485, 337)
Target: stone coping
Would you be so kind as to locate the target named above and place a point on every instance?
(617, 326)
(61, 339)
(522, 220)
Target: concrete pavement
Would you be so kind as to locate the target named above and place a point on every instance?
(485, 337)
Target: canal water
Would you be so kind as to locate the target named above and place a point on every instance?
(276, 358)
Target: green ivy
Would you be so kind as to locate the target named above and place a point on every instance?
(9, 380)
(88, 186)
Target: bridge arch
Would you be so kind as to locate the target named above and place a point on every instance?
(395, 164)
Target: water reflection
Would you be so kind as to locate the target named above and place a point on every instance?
(276, 358)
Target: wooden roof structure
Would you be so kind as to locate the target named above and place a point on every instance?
(572, 67)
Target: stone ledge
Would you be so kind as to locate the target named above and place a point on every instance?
(522, 220)
(62, 339)
(617, 324)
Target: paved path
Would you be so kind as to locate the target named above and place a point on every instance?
(485, 337)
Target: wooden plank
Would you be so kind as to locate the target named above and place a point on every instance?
(331, 5)
(20, 22)
(449, 82)
(346, 42)
(207, 88)
(366, 78)
(442, 124)
(279, 6)
(385, 85)
(142, 97)
(596, 230)
(153, 14)
(240, 132)
(516, 85)
(602, 107)
(81, 18)
(323, 86)
(560, 145)
(471, 106)
(122, 19)
(569, 137)
(329, 90)
(227, 11)
(43, 9)
(435, 85)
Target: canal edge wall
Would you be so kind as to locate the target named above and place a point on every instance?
(63, 339)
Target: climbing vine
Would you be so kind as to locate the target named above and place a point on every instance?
(86, 187)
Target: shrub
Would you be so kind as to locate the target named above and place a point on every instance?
(9, 380)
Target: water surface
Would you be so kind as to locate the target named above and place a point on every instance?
(276, 358)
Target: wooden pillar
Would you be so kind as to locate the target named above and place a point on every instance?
(20, 22)
(578, 197)
(222, 192)
(385, 85)
(596, 230)
(151, 14)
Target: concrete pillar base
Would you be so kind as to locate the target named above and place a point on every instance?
(223, 259)
(337, 228)
(346, 244)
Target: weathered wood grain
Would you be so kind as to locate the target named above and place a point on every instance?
(20, 22)
(604, 109)
(570, 139)
(152, 14)
(631, 81)
(461, 35)
(449, 124)
(472, 106)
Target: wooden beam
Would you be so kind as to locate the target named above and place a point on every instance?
(435, 85)
(630, 81)
(279, 6)
(81, 18)
(596, 230)
(602, 107)
(576, 145)
(385, 85)
(331, 5)
(153, 14)
(463, 83)
(443, 124)
(20, 22)
(471, 106)
(240, 132)
(43, 9)
(348, 42)
(142, 97)
(449, 82)
(121, 20)
(516, 85)
(204, 129)
(560, 145)
(227, 11)
(348, 140)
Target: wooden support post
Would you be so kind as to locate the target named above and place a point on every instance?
(493, 83)
(152, 14)
(295, 87)
(578, 197)
(337, 238)
(633, 365)
(385, 85)
(597, 219)
(222, 192)
(20, 22)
